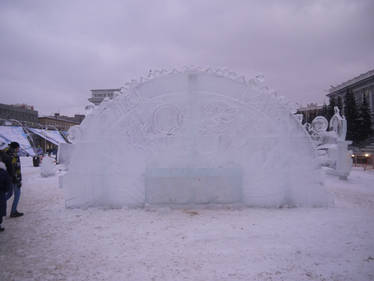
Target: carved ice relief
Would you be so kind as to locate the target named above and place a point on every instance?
(216, 117)
(320, 124)
(197, 128)
(167, 119)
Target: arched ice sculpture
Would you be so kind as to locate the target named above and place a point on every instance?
(193, 137)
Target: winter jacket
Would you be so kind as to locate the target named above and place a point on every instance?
(13, 165)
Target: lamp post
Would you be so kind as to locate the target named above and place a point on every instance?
(45, 140)
(367, 155)
(354, 158)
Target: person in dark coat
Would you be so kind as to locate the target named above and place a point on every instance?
(5, 187)
(13, 165)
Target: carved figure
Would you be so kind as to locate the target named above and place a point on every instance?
(338, 124)
(331, 145)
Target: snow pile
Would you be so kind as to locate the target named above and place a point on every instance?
(47, 167)
(193, 137)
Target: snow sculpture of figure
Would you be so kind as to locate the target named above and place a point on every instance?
(193, 137)
(318, 127)
(48, 167)
(332, 147)
(320, 124)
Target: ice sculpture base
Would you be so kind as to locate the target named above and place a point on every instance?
(342, 159)
(193, 186)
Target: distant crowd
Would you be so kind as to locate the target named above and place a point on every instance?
(10, 180)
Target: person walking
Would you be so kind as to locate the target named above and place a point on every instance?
(13, 165)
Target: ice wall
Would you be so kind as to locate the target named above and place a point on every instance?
(193, 137)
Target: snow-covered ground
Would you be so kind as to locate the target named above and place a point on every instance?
(54, 243)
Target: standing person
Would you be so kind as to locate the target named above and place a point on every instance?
(5, 186)
(13, 165)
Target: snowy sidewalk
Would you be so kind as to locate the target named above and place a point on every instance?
(54, 243)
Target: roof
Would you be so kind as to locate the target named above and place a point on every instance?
(352, 81)
(311, 106)
(108, 90)
(16, 133)
(59, 119)
(52, 136)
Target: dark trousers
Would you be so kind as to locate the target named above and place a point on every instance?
(16, 190)
(2, 206)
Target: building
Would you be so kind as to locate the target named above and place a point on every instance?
(61, 122)
(20, 112)
(311, 111)
(77, 117)
(98, 95)
(361, 86)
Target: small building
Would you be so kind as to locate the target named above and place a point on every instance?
(310, 111)
(361, 86)
(20, 112)
(61, 122)
(98, 95)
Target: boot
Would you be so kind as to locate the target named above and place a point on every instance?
(16, 214)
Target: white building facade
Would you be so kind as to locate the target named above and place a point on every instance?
(361, 86)
(98, 95)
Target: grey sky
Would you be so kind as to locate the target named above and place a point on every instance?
(53, 52)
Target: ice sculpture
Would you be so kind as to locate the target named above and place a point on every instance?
(338, 124)
(331, 145)
(193, 137)
(48, 167)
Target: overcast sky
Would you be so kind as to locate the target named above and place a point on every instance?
(53, 52)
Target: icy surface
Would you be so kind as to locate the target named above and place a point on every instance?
(53, 243)
(193, 128)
